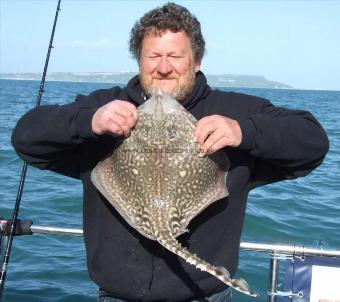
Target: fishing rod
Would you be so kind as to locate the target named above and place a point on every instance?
(8, 249)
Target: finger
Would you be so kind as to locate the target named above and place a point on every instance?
(126, 104)
(200, 124)
(126, 129)
(131, 110)
(118, 118)
(124, 117)
(204, 132)
(221, 143)
(120, 121)
(203, 127)
(211, 140)
(121, 113)
(114, 128)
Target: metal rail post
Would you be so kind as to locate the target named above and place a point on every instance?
(273, 277)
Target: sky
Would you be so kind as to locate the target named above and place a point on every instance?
(293, 42)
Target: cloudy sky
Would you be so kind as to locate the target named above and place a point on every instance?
(293, 42)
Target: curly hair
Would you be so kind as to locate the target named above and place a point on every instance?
(170, 16)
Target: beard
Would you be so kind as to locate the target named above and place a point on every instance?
(179, 92)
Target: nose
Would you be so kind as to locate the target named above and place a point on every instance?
(164, 67)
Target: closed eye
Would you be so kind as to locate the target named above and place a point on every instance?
(153, 57)
(176, 58)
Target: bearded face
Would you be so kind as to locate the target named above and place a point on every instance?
(167, 63)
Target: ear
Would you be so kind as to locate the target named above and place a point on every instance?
(197, 66)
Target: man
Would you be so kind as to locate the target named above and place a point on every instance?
(264, 144)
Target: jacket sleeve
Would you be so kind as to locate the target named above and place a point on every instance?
(50, 137)
(285, 143)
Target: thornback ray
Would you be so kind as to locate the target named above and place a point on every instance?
(158, 183)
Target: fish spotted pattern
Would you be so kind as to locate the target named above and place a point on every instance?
(158, 183)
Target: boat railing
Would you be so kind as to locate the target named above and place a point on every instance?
(276, 252)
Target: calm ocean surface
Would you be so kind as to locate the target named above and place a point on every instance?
(53, 268)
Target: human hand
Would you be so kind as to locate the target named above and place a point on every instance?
(215, 132)
(117, 117)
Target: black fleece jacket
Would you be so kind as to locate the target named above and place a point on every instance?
(277, 144)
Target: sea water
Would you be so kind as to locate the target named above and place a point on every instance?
(305, 211)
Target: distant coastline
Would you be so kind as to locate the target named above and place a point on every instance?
(223, 80)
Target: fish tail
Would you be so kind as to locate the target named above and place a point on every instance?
(219, 272)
